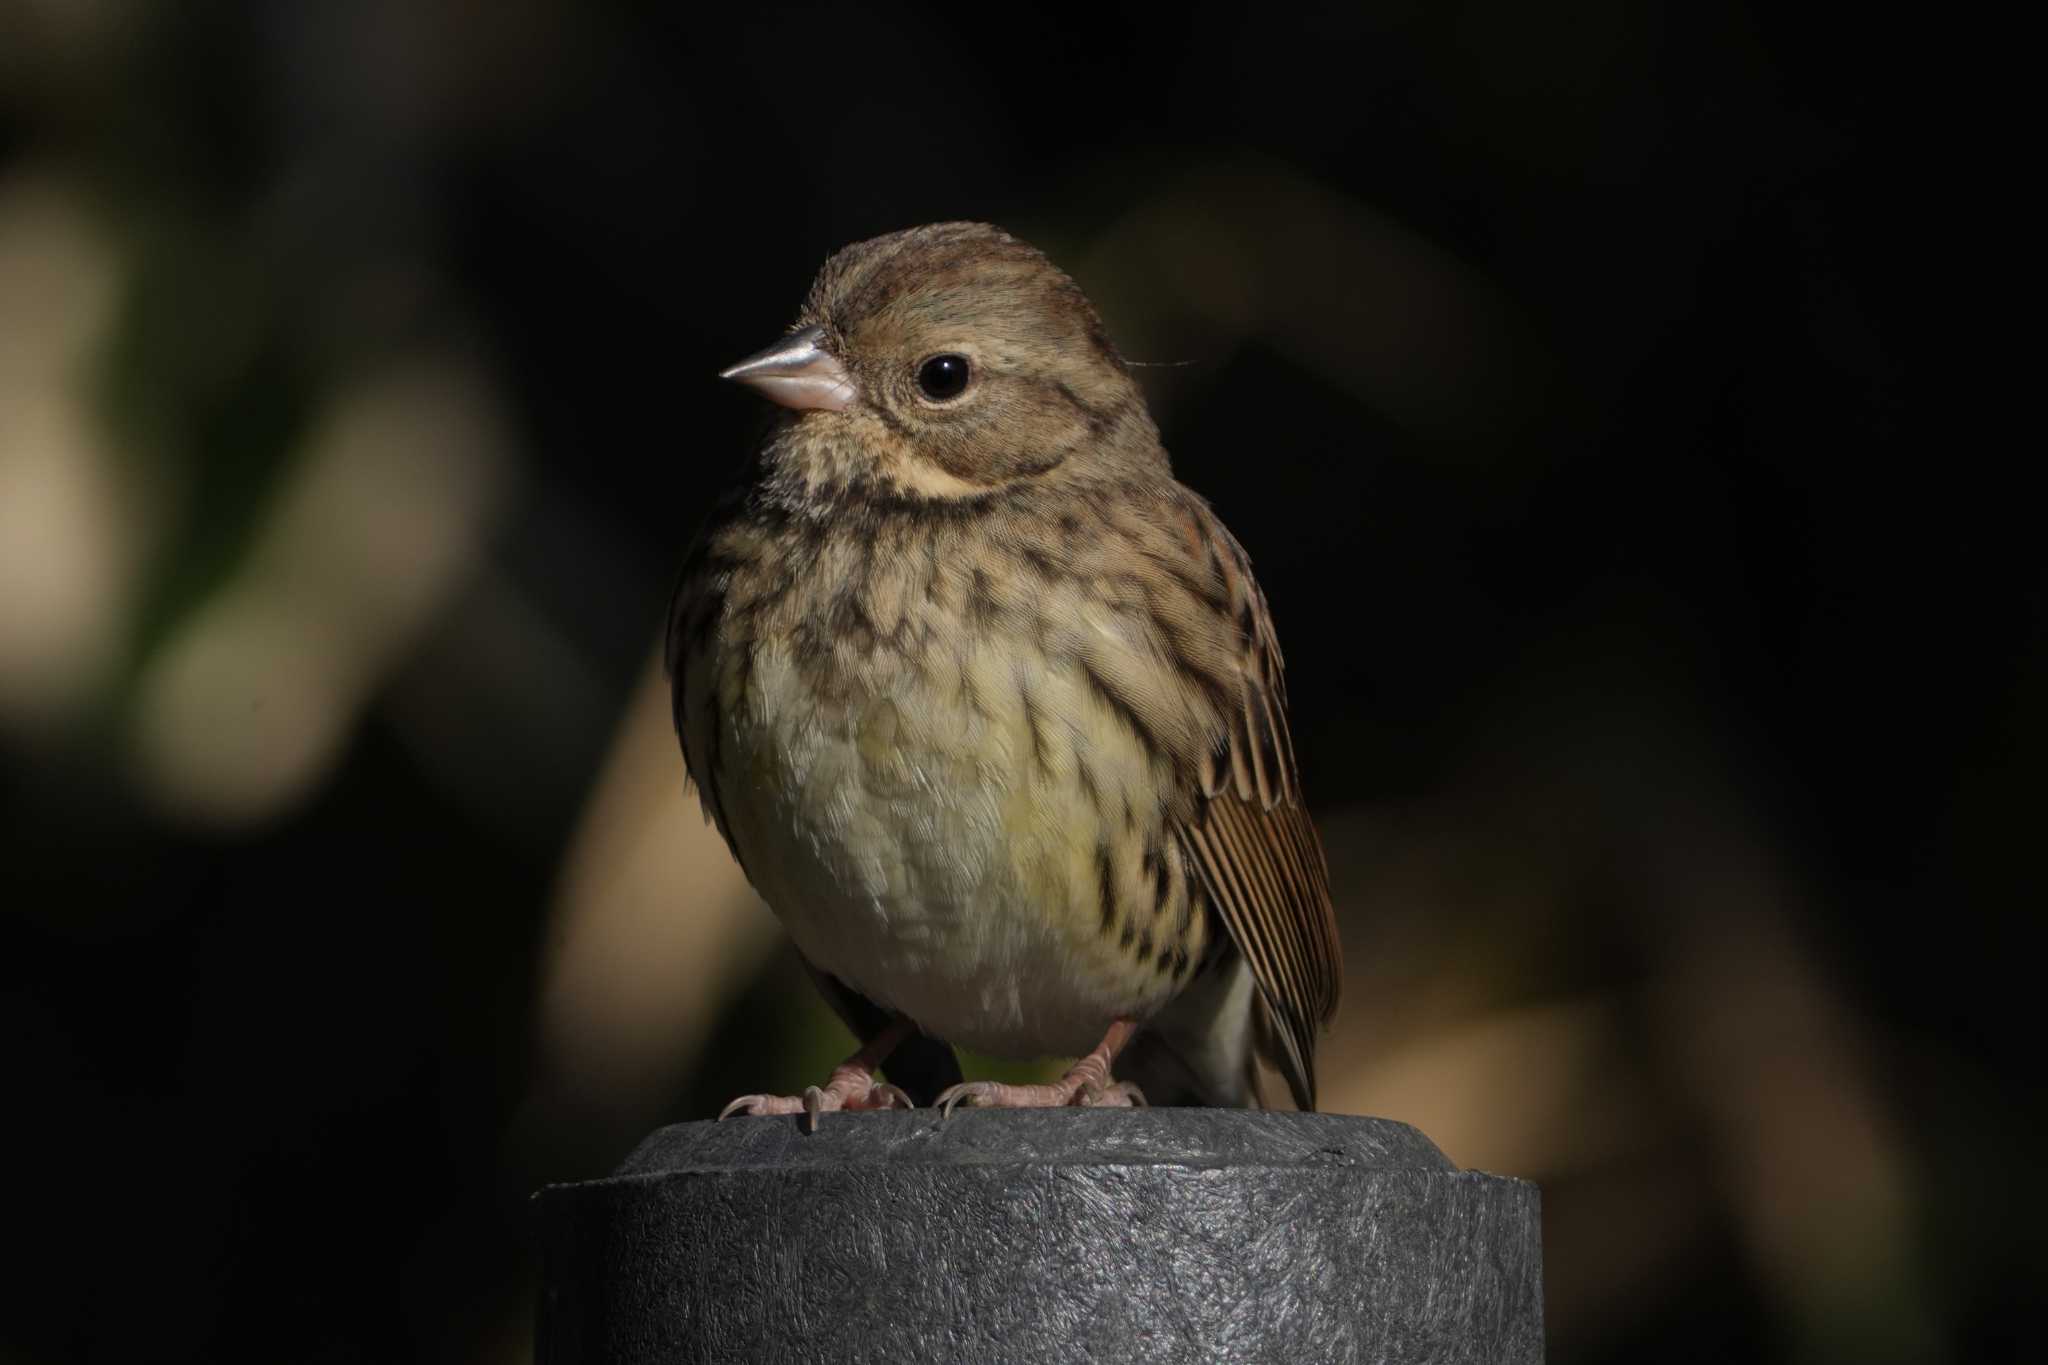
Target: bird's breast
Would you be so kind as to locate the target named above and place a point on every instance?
(949, 817)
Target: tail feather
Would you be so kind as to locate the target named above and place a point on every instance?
(1198, 1050)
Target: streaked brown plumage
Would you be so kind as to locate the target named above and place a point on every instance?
(990, 708)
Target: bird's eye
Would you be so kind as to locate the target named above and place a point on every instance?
(943, 377)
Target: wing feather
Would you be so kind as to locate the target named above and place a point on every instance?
(1252, 842)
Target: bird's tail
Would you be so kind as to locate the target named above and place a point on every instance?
(1198, 1050)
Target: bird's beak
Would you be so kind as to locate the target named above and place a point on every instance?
(798, 372)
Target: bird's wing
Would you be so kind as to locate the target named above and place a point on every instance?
(1251, 839)
(695, 604)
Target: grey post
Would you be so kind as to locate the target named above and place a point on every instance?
(1042, 1236)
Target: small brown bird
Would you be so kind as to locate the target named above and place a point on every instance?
(989, 707)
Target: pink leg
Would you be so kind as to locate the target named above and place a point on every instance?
(852, 1085)
(1086, 1083)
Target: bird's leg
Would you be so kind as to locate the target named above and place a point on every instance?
(852, 1084)
(1087, 1082)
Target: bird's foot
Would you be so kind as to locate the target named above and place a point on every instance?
(852, 1086)
(1061, 1093)
(1086, 1084)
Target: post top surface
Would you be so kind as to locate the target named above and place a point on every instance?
(983, 1137)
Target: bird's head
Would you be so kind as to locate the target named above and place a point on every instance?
(944, 362)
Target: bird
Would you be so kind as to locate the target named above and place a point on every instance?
(990, 709)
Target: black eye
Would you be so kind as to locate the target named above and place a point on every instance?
(943, 377)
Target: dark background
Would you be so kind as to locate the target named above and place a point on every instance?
(1670, 695)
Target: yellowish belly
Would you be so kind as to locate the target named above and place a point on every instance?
(939, 846)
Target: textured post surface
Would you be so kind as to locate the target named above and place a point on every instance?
(1052, 1235)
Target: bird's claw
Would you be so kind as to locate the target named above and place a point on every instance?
(880, 1095)
(843, 1091)
(1116, 1095)
(752, 1104)
(1077, 1092)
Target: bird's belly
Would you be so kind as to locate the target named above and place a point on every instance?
(938, 845)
